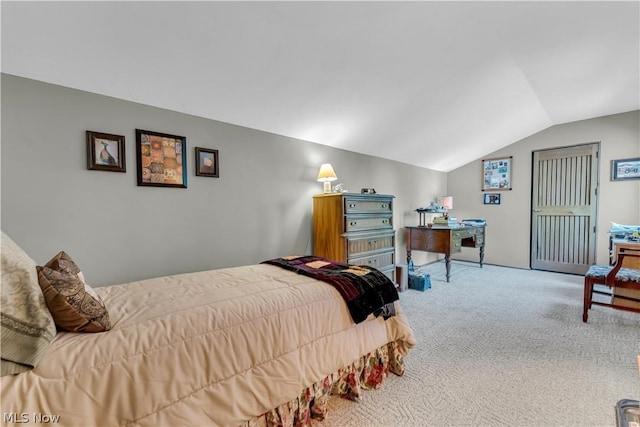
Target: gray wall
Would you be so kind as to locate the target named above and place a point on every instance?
(259, 208)
(261, 205)
(508, 231)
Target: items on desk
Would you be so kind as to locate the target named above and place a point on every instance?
(449, 221)
(432, 208)
(476, 222)
(626, 232)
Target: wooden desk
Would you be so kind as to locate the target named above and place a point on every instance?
(621, 296)
(445, 240)
(616, 245)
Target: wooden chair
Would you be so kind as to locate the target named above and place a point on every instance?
(618, 276)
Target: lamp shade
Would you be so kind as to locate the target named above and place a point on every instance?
(447, 202)
(326, 173)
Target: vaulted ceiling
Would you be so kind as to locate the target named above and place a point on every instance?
(433, 84)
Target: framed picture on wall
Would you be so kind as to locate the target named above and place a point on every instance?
(496, 174)
(624, 169)
(491, 199)
(105, 152)
(207, 162)
(161, 159)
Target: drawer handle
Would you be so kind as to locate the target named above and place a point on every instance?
(373, 261)
(353, 223)
(372, 242)
(352, 205)
(385, 221)
(385, 206)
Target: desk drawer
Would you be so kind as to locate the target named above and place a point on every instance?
(456, 244)
(462, 234)
(369, 244)
(368, 206)
(360, 223)
(379, 261)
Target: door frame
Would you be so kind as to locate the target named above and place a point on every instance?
(580, 268)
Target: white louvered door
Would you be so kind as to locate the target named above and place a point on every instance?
(564, 201)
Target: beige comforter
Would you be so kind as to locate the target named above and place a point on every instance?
(209, 348)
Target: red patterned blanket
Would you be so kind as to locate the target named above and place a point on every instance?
(365, 289)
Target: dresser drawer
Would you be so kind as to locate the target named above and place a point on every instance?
(367, 206)
(377, 261)
(372, 243)
(367, 222)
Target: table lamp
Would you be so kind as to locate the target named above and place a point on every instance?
(327, 175)
(447, 203)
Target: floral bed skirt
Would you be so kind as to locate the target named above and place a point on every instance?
(368, 372)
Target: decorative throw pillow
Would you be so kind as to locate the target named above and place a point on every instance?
(63, 263)
(26, 326)
(74, 305)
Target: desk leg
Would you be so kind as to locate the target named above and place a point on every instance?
(447, 261)
(481, 255)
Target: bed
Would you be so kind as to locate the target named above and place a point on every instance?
(244, 346)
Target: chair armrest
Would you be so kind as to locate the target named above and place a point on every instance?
(610, 279)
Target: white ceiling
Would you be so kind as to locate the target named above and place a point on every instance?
(433, 84)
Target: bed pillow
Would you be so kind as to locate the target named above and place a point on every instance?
(26, 325)
(74, 305)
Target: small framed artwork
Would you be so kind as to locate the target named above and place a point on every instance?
(207, 162)
(161, 159)
(105, 152)
(624, 169)
(496, 174)
(491, 199)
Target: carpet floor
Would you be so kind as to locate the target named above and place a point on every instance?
(504, 347)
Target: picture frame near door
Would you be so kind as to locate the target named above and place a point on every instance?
(492, 198)
(496, 174)
(625, 169)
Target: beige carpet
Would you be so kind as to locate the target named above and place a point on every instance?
(504, 347)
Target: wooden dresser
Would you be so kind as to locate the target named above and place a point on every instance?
(356, 229)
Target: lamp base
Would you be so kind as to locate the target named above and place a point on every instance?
(327, 187)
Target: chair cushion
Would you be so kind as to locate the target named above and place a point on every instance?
(624, 274)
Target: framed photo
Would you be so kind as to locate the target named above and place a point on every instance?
(624, 169)
(161, 159)
(105, 152)
(496, 174)
(492, 199)
(207, 162)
